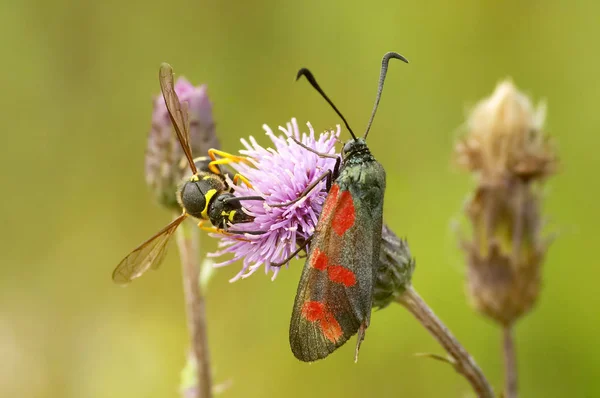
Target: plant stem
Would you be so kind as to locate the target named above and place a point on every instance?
(188, 242)
(460, 358)
(510, 363)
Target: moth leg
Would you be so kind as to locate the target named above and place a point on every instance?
(291, 256)
(320, 154)
(338, 159)
(326, 175)
(359, 339)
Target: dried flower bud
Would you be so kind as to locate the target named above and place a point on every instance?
(164, 156)
(510, 154)
(505, 138)
(396, 267)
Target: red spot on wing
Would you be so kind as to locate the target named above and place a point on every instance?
(339, 274)
(330, 202)
(335, 273)
(318, 260)
(344, 216)
(313, 310)
(330, 327)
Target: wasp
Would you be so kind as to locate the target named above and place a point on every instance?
(205, 195)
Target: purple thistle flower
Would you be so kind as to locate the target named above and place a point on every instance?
(280, 175)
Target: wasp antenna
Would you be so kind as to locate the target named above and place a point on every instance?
(384, 66)
(313, 82)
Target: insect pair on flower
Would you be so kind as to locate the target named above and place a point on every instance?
(299, 197)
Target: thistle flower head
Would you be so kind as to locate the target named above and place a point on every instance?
(164, 166)
(280, 175)
(509, 152)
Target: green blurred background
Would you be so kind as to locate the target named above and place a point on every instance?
(78, 78)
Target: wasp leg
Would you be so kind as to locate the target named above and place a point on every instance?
(208, 229)
(201, 163)
(211, 228)
(226, 232)
(238, 177)
(226, 158)
(291, 256)
(326, 175)
(216, 230)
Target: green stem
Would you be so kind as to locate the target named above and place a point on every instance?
(510, 363)
(188, 242)
(460, 358)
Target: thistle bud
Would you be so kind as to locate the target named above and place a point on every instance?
(510, 155)
(395, 270)
(165, 160)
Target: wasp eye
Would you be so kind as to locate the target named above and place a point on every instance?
(193, 199)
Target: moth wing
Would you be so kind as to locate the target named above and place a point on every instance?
(335, 290)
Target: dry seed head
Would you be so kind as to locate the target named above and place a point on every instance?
(506, 252)
(506, 149)
(505, 137)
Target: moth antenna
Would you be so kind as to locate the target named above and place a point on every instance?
(384, 66)
(313, 82)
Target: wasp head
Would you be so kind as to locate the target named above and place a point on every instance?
(197, 192)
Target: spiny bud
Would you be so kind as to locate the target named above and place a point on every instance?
(165, 164)
(395, 269)
(511, 156)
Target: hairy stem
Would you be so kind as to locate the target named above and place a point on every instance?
(188, 241)
(510, 363)
(460, 358)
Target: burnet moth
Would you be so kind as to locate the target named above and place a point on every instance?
(334, 296)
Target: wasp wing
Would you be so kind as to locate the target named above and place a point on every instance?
(177, 112)
(334, 295)
(147, 255)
